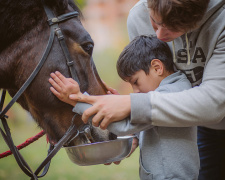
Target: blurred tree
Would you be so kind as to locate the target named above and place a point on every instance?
(80, 3)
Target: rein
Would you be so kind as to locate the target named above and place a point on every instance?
(26, 143)
(72, 131)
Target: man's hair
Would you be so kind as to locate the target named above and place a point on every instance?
(139, 53)
(179, 14)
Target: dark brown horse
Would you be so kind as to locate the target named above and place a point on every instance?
(24, 34)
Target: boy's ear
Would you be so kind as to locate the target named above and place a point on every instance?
(157, 66)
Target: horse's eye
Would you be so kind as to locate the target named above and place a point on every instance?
(88, 47)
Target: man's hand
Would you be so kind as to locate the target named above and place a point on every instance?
(110, 90)
(62, 87)
(106, 108)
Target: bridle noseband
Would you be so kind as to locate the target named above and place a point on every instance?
(72, 131)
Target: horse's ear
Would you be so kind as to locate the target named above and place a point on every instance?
(62, 3)
(58, 4)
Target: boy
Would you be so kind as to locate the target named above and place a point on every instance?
(165, 152)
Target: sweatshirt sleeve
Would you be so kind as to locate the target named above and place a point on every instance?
(80, 107)
(124, 127)
(201, 105)
(120, 128)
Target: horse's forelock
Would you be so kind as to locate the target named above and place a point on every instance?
(58, 5)
(74, 6)
(61, 5)
(15, 19)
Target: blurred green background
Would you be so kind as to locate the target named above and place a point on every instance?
(107, 49)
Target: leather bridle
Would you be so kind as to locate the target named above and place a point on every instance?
(72, 131)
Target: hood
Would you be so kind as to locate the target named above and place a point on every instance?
(213, 6)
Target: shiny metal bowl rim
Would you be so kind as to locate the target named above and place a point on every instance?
(119, 138)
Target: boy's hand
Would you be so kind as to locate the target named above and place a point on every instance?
(62, 87)
(135, 144)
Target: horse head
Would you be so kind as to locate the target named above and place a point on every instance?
(24, 36)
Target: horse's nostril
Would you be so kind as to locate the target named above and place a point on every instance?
(88, 47)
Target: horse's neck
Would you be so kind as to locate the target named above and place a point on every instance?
(17, 18)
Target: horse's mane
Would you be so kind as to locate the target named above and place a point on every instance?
(20, 16)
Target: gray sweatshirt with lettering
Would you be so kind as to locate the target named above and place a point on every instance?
(205, 103)
(165, 152)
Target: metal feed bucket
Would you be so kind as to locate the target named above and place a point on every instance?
(100, 152)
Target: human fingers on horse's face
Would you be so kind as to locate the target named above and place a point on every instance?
(88, 113)
(55, 85)
(110, 90)
(64, 86)
(56, 93)
(75, 85)
(61, 77)
(62, 97)
(57, 79)
(73, 81)
(114, 91)
(68, 85)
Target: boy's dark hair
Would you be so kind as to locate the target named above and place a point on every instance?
(139, 53)
(179, 15)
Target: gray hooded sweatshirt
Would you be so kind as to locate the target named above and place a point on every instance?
(165, 152)
(205, 103)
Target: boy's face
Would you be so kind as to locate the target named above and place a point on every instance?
(143, 83)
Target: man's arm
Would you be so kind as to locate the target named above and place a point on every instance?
(106, 108)
(121, 128)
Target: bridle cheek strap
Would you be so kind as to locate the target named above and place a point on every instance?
(53, 21)
(70, 62)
